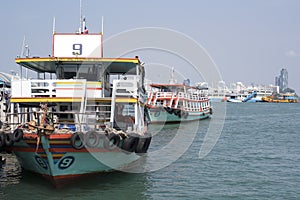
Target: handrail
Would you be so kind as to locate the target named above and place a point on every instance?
(56, 88)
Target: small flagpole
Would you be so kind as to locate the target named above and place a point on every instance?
(102, 29)
(53, 27)
(80, 27)
(21, 55)
(102, 25)
(83, 24)
(22, 49)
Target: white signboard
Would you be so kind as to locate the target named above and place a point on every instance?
(77, 45)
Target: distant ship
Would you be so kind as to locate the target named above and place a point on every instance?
(281, 98)
(237, 92)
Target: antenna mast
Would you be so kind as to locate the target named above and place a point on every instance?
(80, 26)
(102, 25)
(25, 52)
(172, 79)
(22, 49)
(53, 26)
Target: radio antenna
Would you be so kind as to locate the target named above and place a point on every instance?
(80, 25)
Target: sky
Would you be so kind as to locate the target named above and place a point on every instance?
(248, 40)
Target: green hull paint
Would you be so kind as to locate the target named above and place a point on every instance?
(162, 116)
(46, 163)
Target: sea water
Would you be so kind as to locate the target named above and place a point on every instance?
(257, 156)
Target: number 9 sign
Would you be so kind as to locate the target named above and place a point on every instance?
(77, 49)
(41, 162)
(66, 162)
(74, 45)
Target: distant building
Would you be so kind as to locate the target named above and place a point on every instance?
(282, 80)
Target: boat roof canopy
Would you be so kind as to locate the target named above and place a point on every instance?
(164, 86)
(50, 64)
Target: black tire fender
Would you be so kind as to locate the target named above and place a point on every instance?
(91, 139)
(185, 115)
(143, 145)
(77, 140)
(169, 110)
(111, 141)
(2, 142)
(8, 139)
(130, 143)
(17, 135)
(178, 113)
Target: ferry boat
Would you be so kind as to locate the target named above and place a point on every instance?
(281, 98)
(175, 103)
(84, 114)
(238, 92)
(251, 96)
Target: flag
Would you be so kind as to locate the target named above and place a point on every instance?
(85, 31)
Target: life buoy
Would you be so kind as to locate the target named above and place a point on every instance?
(8, 139)
(143, 145)
(130, 143)
(111, 141)
(2, 142)
(17, 135)
(77, 140)
(91, 139)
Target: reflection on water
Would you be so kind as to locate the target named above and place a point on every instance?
(10, 172)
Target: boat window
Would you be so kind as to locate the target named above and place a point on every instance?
(60, 72)
(89, 72)
(166, 90)
(66, 72)
(83, 71)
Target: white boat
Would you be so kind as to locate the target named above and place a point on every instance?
(262, 93)
(235, 100)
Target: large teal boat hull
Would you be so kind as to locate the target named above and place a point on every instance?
(57, 160)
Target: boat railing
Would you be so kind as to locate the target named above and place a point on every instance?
(161, 99)
(56, 88)
(181, 95)
(150, 98)
(196, 102)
